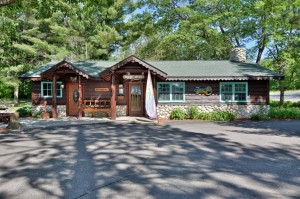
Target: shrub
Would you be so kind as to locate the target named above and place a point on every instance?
(217, 116)
(274, 103)
(38, 115)
(222, 116)
(192, 112)
(204, 116)
(260, 116)
(177, 114)
(286, 104)
(263, 114)
(285, 113)
(25, 111)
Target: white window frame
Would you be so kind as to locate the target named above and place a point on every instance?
(170, 91)
(233, 91)
(48, 96)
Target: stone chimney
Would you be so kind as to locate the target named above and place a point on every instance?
(238, 54)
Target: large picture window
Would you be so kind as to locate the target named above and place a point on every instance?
(171, 91)
(233, 91)
(46, 89)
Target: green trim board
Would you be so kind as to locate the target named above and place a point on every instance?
(233, 91)
(171, 91)
(46, 87)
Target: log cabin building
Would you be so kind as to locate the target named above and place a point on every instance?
(93, 88)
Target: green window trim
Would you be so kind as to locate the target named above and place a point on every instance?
(234, 92)
(46, 89)
(169, 92)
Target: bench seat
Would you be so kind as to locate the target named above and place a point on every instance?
(96, 106)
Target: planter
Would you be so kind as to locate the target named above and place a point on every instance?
(45, 116)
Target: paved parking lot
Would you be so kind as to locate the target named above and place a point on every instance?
(177, 160)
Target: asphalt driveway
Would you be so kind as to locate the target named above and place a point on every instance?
(177, 160)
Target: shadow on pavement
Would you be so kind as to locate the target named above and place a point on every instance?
(140, 161)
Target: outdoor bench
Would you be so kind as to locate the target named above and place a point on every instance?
(96, 106)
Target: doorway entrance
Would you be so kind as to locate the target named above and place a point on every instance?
(136, 99)
(73, 99)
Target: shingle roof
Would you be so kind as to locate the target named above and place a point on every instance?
(178, 70)
(197, 70)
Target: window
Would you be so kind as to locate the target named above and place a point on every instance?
(46, 89)
(233, 91)
(170, 91)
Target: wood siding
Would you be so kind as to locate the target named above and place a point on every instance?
(258, 93)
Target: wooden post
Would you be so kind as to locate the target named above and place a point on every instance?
(80, 97)
(54, 106)
(113, 103)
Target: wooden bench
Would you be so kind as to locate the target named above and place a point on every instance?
(96, 106)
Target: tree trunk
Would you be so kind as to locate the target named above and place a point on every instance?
(282, 89)
(16, 95)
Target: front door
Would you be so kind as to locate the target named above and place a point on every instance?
(73, 99)
(136, 99)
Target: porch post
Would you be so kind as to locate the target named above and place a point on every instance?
(80, 97)
(113, 103)
(54, 106)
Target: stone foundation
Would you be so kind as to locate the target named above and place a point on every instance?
(242, 111)
(61, 110)
(121, 110)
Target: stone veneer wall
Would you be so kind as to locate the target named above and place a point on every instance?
(121, 110)
(61, 110)
(242, 111)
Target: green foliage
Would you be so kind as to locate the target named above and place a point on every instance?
(285, 113)
(217, 116)
(286, 104)
(192, 112)
(177, 114)
(25, 111)
(222, 116)
(38, 115)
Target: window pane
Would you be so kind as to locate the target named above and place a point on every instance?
(226, 96)
(163, 92)
(240, 97)
(240, 87)
(226, 88)
(177, 91)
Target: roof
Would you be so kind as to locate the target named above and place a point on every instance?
(172, 70)
(213, 70)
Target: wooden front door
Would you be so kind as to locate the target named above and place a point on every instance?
(73, 99)
(136, 99)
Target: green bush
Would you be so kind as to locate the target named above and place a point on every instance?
(217, 116)
(192, 112)
(274, 103)
(285, 113)
(38, 115)
(260, 116)
(263, 114)
(177, 114)
(25, 111)
(222, 116)
(286, 104)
